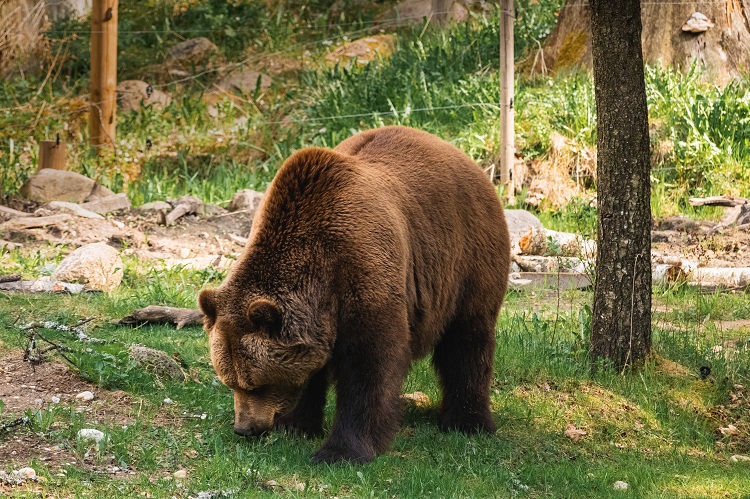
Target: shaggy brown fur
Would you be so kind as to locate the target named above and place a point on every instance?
(360, 260)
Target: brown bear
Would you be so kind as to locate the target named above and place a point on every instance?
(360, 260)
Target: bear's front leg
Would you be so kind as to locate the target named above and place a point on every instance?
(368, 383)
(307, 416)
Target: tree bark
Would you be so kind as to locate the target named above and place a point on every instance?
(722, 52)
(621, 325)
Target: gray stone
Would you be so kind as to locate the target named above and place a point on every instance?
(158, 362)
(96, 265)
(245, 199)
(132, 94)
(195, 52)
(60, 185)
(244, 82)
(108, 204)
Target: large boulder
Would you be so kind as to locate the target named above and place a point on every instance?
(132, 94)
(96, 265)
(60, 185)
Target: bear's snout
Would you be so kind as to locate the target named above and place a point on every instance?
(250, 431)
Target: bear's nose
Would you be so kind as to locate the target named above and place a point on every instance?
(249, 431)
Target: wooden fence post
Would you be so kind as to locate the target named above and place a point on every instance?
(52, 155)
(103, 72)
(507, 146)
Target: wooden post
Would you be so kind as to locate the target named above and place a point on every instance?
(103, 72)
(507, 146)
(52, 155)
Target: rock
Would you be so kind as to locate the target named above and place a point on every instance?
(85, 396)
(96, 265)
(156, 206)
(90, 434)
(132, 94)
(417, 399)
(98, 192)
(363, 50)
(243, 82)
(192, 55)
(41, 286)
(60, 185)
(414, 11)
(738, 458)
(55, 399)
(245, 199)
(26, 473)
(75, 209)
(519, 223)
(108, 204)
(158, 362)
(620, 485)
(180, 474)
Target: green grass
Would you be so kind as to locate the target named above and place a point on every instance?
(655, 428)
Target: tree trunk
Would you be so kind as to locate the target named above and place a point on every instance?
(621, 325)
(723, 51)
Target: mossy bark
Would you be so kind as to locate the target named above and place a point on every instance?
(621, 325)
(722, 52)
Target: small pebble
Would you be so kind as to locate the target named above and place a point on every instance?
(739, 458)
(180, 474)
(619, 485)
(85, 396)
(90, 434)
(167, 400)
(55, 399)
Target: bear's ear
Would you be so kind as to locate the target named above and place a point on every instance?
(264, 315)
(207, 303)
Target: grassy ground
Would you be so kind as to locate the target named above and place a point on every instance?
(656, 429)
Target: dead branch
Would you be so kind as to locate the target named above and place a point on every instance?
(10, 278)
(155, 314)
(183, 206)
(16, 422)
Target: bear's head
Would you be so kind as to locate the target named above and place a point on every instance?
(257, 350)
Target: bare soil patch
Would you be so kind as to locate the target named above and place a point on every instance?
(24, 386)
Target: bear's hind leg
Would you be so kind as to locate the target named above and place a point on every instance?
(463, 360)
(307, 417)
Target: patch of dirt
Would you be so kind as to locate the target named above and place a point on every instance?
(141, 233)
(704, 242)
(24, 387)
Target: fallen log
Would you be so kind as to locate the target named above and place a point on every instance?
(10, 278)
(43, 287)
(155, 314)
(23, 223)
(183, 206)
(718, 201)
(6, 213)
